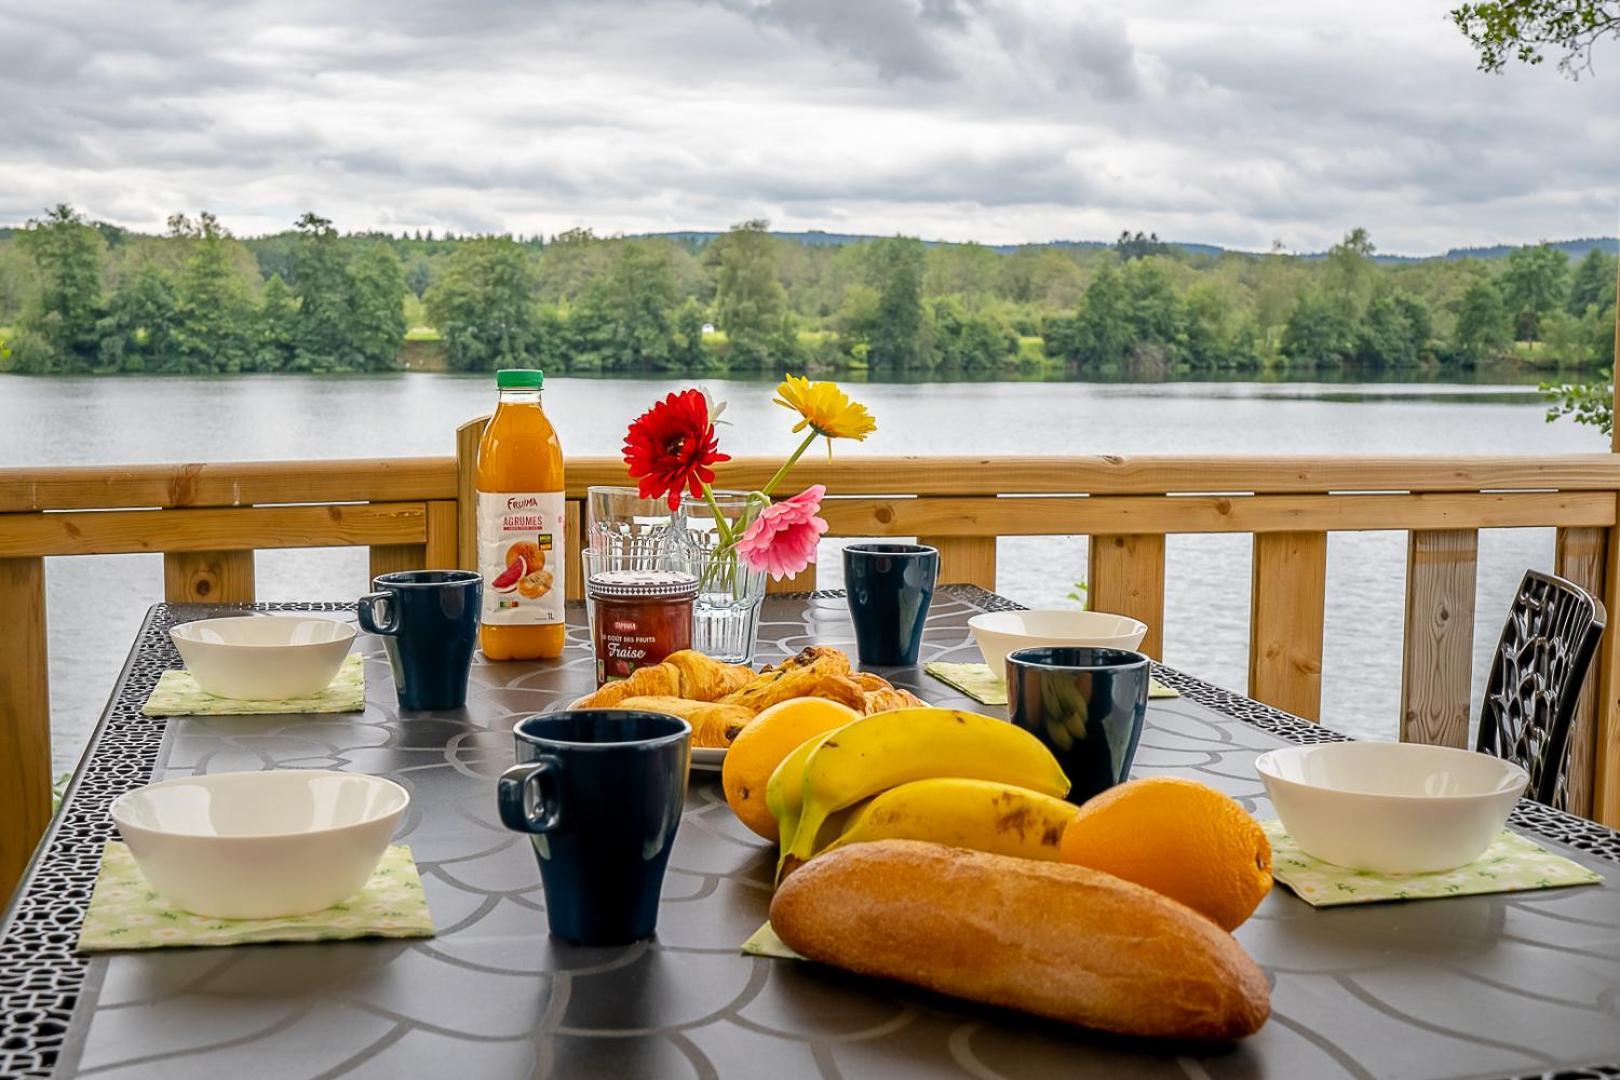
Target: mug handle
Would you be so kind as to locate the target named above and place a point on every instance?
(378, 613)
(512, 796)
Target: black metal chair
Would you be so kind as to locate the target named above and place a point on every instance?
(1547, 644)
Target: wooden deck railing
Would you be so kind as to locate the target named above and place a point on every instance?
(207, 521)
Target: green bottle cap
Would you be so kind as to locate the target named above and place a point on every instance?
(520, 379)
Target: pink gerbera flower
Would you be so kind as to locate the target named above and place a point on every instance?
(782, 540)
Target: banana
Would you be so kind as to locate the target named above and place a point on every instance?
(784, 788)
(888, 749)
(978, 814)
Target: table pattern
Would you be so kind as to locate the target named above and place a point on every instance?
(1482, 986)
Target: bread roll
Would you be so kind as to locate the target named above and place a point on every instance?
(1060, 941)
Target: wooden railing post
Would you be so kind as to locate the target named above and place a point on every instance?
(467, 438)
(1581, 555)
(208, 577)
(25, 708)
(1287, 606)
(1125, 576)
(1606, 739)
(965, 560)
(1438, 660)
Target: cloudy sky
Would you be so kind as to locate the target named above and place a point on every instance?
(1236, 122)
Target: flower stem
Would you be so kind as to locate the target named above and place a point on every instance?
(781, 474)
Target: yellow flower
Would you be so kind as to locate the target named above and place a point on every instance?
(826, 409)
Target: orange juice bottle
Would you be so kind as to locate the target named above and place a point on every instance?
(521, 548)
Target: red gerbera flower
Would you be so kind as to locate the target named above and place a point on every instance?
(671, 448)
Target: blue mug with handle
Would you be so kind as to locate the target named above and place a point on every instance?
(428, 620)
(600, 791)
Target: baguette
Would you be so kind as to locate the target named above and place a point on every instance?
(1064, 942)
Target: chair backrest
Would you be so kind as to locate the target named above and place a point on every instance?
(1547, 644)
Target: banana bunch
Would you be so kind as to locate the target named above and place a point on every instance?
(922, 773)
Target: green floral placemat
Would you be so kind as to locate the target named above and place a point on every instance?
(125, 913)
(981, 684)
(1512, 863)
(177, 694)
(764, 942)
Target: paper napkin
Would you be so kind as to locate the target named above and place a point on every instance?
(125, 912)
(177, 694)
(1512, 863)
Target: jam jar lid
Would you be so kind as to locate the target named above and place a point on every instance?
(643, 585)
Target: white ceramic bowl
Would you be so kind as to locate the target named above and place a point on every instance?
(998, 633)
(263, 657)
(1395, 808)
(260, 845)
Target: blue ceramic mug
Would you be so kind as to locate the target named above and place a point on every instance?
(428, 620)
(1086, 704)
(889, 587)
(601, 790)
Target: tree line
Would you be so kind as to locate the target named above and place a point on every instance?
(81, 296)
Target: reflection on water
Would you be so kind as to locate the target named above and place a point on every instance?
(96, 603)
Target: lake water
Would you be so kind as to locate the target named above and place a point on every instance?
(95, 604)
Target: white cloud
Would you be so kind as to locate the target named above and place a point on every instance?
(998, 120)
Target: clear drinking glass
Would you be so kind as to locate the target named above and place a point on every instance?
(632, 533)
(725, 616)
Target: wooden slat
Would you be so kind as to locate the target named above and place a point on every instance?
(574, 583)
(393, 558)
(411, 479)
(856, 474)
(443, 542)
(1581, 554)
(1209, 514)
(1436, 672)
(1125, 576)
(467, 438)
(241, 483)
(1285, 624)
(965, 560)
(25, 735)
(117, 531)
(208, 577)
(804, 582)
(1606, 742)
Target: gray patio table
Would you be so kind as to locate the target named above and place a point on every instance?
(1527, 984)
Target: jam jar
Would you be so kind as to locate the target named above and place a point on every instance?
(638, 617)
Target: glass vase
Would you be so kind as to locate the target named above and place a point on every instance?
(725, 615)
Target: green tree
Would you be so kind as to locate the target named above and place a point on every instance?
(60, 324)
(1592, 283)
(1351, 273)
(628, 312)
(138, 331)
(1522, 29)
(275, 338)
(1484, 329)
(214, 314)
(1156, 312)
(1104, 331)
(897, 339)
(1319, 331)
(1532, 285)
(484, 304)
(1395, 331)
(377, 314)
(320, 280)
(749, 303)
(1140, 246)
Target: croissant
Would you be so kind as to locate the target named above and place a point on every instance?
(870, 682)
(823, 657)
(772, 687)
(713, 725)
(892, 698)
(685, 674)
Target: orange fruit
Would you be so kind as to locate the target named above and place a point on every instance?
(760, 747)
(1177, 837)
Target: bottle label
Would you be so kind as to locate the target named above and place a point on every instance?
(522, 555)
